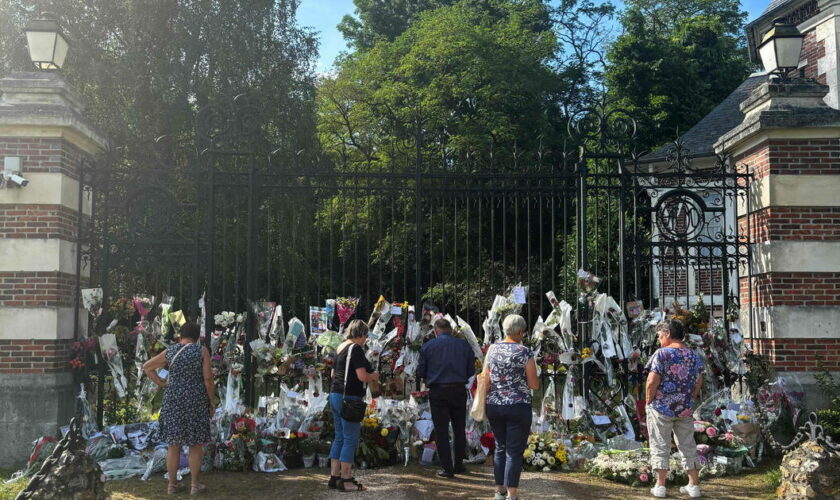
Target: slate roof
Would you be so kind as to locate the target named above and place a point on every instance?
(700, 139)
(775, 4)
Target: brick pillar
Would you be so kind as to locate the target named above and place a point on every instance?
(41, 123)
(789, 140)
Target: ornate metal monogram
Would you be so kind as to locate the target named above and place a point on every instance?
(680, 215)
(813, 431)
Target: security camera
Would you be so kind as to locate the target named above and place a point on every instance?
(20, 181)
(11, 171)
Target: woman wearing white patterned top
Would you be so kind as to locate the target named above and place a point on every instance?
(513, 375)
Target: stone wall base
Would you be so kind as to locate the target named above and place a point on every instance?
(32, 405)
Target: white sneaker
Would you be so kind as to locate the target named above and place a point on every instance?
(692, 490)
(659, 491)
(500, 496)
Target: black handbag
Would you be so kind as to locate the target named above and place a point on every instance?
(352, 410)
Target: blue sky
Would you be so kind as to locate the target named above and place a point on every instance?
(324, 16)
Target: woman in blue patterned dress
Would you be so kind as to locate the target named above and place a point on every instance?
(513, 375)
(188, 403)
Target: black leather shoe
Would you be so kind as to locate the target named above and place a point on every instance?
(445, 474)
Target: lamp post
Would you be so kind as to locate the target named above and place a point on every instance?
(780, 48)
(46, 43)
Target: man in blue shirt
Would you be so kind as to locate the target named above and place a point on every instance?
(447, 363)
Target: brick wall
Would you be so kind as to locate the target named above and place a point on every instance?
(792, 157)
(36, 289)
(792, 289)
(38, 221)
(812, 51)
(43, 154)
(792, 223)
(34, 356)
(800, 354)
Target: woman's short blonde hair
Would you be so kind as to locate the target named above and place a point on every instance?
(356, 329)
(514, 324)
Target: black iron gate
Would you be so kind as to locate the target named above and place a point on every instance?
(430, 222)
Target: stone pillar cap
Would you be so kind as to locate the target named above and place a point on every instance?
(44, 99)
(781, 105)
(39, 87)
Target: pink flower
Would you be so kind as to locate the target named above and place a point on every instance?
(729, 436)
(703, 449)
(644, 478)
(711, 432)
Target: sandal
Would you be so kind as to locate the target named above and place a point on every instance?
(172, 489)
(333, 482)
(198, 489)
(340, 485)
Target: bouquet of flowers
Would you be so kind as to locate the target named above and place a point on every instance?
(631, 467)
(374, 444)
(122, 309)
(545, 453)
(463, 329)
(346, 307)
(111, 354)
(410, 355)
(277, 333)
(488, 443)
(265, 314)
(227, 319)
(92, 301)
(267, 357)
(296, 336)
(166, 302)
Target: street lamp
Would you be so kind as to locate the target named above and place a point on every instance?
(780, 48)
(47, 45)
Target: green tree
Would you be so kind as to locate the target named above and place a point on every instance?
(143, 67)
(377, 20)
(674, 62)
(464, 71)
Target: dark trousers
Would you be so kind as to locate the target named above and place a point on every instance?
(511, 425)
(449, 404)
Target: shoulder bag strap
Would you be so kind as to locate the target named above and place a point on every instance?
(347, 367)
(486, 369)
(176, 356)
(169, 377)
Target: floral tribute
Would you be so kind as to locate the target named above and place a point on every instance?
(291, 425)
(545, 453)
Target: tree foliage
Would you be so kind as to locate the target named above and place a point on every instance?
(470, 74)
(143, 67)
(674, 62)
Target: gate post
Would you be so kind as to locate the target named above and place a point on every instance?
(44, 139)
(789, 296)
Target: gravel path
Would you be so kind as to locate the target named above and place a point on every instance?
(416, 482)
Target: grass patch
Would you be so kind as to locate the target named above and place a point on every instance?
(773, 478)
(10, 491)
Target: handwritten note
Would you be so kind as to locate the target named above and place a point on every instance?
(519, 294)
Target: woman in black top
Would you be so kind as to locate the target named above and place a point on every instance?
(346, 439)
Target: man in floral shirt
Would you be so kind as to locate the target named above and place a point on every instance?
(675, 379)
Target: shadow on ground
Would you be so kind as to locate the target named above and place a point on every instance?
(416, 482)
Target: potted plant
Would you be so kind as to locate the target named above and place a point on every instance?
(291, 451)
(308, 447)
(324, 453)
